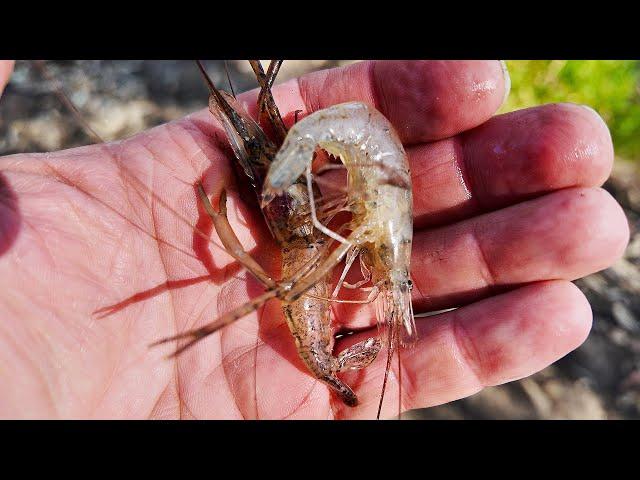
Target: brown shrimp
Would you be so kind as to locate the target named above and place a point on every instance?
(290, 217)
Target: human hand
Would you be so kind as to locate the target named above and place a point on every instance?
(507, 212)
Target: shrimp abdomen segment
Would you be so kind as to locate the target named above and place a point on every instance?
(353, 131)
(308, 318)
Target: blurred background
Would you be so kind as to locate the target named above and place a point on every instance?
(600, 380)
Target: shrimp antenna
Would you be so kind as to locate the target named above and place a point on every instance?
(206, 76)
(67, 102)
(226, 69)
(399, 384)
(390, 351)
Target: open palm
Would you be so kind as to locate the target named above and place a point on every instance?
(104, 249)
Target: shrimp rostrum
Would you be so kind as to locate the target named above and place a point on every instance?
(380, 229)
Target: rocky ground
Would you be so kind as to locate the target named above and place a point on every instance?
(600, 380)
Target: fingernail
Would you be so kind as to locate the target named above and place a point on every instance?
(507, 81)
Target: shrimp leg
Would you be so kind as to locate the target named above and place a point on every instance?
(314, 218)
(373, 294)
(229, 238)
(366, 275)
(222, 321)
(325, 267)
(351, 256)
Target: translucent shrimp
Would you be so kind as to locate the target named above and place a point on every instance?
(379, 198)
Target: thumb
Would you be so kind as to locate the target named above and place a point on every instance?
(6, 67)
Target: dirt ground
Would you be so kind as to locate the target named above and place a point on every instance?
(600, 380)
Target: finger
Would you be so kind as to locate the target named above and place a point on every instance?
(494, 341)
(425, 100)
(6, 67)
(509, 158)
(564, 235)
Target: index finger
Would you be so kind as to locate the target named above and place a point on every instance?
(425, 100)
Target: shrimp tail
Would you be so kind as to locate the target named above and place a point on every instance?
(405, 321)
(252, 148)
(250, 145)
(269, 113)
(397, 322)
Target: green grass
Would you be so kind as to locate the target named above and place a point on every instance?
(611, 87)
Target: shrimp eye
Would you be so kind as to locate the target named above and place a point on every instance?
(410, 284)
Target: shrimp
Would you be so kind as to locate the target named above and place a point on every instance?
(379, 199)
(290, 217)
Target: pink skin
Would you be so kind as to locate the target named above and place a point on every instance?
(534, 220)
(6, 67)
